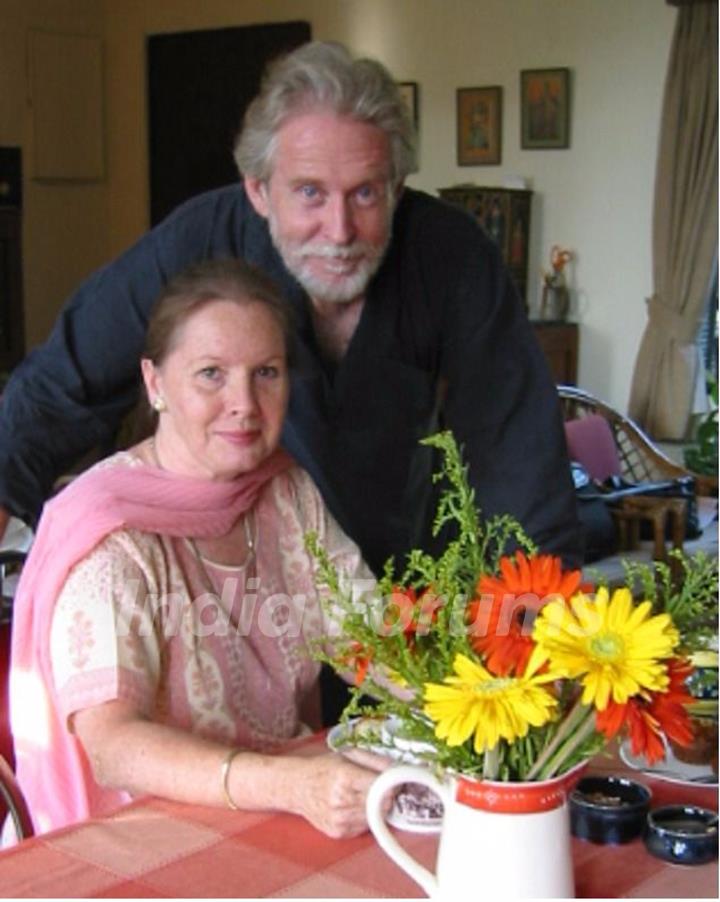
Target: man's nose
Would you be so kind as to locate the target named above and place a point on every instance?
(339, 222)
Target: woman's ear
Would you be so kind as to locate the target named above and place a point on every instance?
(151, 378)
(256, 190)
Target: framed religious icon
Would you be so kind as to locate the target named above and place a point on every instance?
(545, 109)
(479, 126)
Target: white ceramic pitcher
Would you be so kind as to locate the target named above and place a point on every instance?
(498, 841)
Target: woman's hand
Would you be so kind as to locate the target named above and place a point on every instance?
(129, 752)
(331, 792)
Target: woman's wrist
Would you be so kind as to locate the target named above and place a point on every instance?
(264, 782)
(225, 777)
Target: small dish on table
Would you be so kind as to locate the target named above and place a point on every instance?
(608, 810)
(670, 769)
(415, 808)
(682, 834)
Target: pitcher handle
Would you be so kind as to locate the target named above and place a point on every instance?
(395, 776)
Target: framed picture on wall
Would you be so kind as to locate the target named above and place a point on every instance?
(409, 93)
(479, 126)
(545, 109)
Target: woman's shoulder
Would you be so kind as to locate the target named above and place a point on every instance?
(121, 561)
(125, 550)
(119, 459)
(294, 489)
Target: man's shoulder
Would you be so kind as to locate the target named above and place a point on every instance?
(418, 209)
(219, 222)
(217, 202)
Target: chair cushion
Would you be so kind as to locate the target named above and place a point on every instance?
(590, 441)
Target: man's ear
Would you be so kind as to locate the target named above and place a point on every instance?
(397, 193)
(256, 190)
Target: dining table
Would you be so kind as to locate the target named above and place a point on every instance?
(157, 848)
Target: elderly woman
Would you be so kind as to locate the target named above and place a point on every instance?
(162, 623)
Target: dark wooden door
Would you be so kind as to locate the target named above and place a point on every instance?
(199, 85)
(12, 333)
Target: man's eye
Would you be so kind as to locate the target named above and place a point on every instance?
(371, 194)
(309, 192)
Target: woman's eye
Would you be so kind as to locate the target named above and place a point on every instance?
(268, 372)
(211, 373)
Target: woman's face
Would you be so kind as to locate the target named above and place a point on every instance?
(225, 385)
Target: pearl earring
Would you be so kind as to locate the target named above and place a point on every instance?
(159, 404)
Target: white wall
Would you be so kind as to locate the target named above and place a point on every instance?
(595, 197)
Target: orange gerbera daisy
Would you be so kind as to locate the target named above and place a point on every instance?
(649, 717)
(502, 614)
(414, 615)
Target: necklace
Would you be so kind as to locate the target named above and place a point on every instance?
(248, 523)
(249, 557)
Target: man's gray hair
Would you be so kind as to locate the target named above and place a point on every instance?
(324, 76)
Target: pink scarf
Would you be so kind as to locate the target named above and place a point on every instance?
(53, 772)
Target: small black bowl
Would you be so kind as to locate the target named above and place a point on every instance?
(682, 834)
(608, 810)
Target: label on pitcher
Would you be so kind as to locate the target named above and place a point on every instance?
(516, 798)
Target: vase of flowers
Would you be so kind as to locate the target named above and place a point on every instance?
(555, 303)
(517, 834)
(506, 670)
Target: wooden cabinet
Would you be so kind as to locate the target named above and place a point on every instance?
(12, 341)
(504, 213)
(559, 342)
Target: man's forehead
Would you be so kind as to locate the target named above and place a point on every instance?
(318, 142)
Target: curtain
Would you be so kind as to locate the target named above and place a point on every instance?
(685, 227)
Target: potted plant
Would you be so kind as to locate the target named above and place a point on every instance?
(701, 456)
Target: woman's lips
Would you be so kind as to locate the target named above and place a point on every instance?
(240, 438)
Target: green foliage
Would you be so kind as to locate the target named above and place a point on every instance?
(688, 592)
(375, 625)
(702, 455)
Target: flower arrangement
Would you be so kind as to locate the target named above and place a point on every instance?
(686, 588)
(559, 258)
(502, 665)
(555, 296)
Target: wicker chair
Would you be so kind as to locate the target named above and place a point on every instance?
(640, 459)
(12, 799)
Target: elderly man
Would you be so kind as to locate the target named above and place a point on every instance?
(406, 319)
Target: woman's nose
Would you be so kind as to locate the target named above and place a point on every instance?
(242, 399)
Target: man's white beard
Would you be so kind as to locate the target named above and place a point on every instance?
(295, 256)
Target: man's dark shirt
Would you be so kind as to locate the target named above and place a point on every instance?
(441, 323)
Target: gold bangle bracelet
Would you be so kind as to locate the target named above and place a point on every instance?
(225, 775)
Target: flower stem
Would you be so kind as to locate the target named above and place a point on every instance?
(491, 762)
(573, 719)
(566, 750)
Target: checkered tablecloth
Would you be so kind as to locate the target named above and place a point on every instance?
(156, 848)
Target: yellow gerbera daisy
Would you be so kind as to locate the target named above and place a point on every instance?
(492, 707)
(616, 648)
